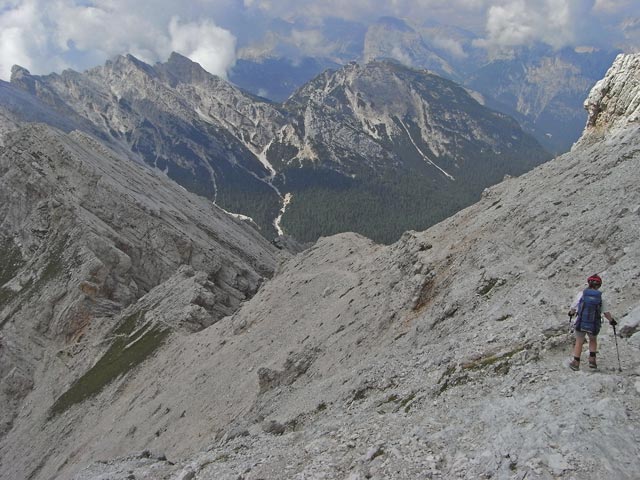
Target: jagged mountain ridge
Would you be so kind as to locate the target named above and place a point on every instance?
(439, 356)
(178, 118)
(245, 153)
(441, 131)
(17, 106)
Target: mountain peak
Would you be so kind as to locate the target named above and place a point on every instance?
(614, 101)
(125, 63)
(394, 23)
(22, 78)
(18, 71)
(179, 59)
(182, 69)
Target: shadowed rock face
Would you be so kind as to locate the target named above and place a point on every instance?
(441, 355)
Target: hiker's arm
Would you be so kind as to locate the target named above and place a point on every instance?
(609, 317)
(574, 306)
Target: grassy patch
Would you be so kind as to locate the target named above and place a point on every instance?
(490, 360)
(5, 296)
(406, 402)
(500, 362)
(360, 394)
(399, 401)
(129, 349)
(450, 379)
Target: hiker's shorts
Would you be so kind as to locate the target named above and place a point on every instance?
(582, 335)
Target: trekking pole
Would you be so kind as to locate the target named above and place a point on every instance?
(615, 337)
(570, 323)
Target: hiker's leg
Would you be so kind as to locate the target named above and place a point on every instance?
(577, 349)
(593, 348)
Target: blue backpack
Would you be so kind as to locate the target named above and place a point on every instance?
(590, 312)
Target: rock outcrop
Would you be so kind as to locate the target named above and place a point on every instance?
(614, 101)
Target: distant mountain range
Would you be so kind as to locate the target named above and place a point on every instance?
(541, 87)
(377, 148)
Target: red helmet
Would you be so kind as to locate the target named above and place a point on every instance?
(594, 280)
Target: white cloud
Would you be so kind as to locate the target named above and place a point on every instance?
(203, 42)
(611, 6)
(20, 36)
(49, 35)
(450, 45)
(460, 12)
(503, 24)
(401, 56)
(555, 22)
(312, 42)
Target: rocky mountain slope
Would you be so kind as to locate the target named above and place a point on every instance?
(202, 132)
(441, 356)
(347, 129)
(381, 148)
(85, 238)
(540, 86)
(544, 90)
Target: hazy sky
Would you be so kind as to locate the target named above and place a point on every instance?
(51, 35)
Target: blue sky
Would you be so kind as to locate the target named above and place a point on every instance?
(51, 35)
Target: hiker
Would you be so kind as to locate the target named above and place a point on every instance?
(589, 306)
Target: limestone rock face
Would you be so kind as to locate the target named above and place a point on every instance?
(434, 117)
(84, 236)
(614, 101)
(198, 129)
(443, 355)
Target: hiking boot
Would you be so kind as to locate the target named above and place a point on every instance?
(592, 363)
(574, 365)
